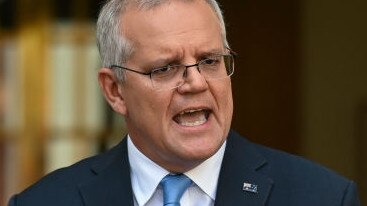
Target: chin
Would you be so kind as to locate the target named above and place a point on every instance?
(201, 152)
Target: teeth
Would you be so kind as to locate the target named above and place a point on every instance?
(192, 124)
(191, 118)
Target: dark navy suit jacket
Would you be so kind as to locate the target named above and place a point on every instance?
(281, 180)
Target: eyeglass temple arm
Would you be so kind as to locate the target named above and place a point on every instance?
(132, 70)
(233, 53)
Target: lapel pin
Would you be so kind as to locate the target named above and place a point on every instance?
(248, 187)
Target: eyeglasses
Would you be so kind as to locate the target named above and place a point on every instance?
(173, 76)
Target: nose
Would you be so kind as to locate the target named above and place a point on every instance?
(187, 67)
(194, 81)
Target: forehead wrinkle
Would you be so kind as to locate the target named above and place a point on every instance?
(167, 55)
(167, 48)
(190, 54)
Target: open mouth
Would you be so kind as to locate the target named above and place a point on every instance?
(192, 117)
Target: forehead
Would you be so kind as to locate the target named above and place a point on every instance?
(173, 25)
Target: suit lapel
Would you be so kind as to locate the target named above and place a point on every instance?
(111, 183)
(241, 164)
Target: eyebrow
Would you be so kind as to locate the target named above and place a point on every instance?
(166, 59)
(162, 61)
(210, 52)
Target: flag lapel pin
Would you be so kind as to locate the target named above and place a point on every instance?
(248, 187)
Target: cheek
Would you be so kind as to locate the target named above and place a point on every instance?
(225, 106)
(158, 104)
(227, 109)
(223, 96)
(230, 98)
(150, 107)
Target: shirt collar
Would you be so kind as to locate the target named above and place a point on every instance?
(146, 174)
(206, 174)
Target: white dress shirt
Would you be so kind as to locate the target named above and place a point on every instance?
(146, 176)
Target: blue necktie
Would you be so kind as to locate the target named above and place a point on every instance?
(173, 188)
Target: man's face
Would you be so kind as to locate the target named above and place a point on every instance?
(177, 128)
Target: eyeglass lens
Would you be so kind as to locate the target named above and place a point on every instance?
(174, 76)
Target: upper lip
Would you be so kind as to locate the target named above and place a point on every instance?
(207, 111)
(192, 109)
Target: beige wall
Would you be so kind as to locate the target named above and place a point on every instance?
(334, 84)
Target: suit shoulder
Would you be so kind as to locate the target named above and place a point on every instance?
(295, 179)
(283, 163)
(297, 176)
(60, 187)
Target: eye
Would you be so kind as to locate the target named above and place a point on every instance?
(212, 61)
(165, 72)
(162, 70)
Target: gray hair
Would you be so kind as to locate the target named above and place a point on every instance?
(113, 46)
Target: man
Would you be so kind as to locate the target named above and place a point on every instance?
(167, 68)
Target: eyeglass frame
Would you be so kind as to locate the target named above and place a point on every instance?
(231, 53)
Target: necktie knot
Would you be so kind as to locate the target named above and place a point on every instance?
(173, 188)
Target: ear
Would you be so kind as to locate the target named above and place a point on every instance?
(112, 91)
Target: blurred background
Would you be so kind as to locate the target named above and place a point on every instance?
(300, 84)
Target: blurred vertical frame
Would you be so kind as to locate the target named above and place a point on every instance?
(361, 154)
(33, 20)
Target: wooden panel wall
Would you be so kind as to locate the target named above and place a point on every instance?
(266, 79)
